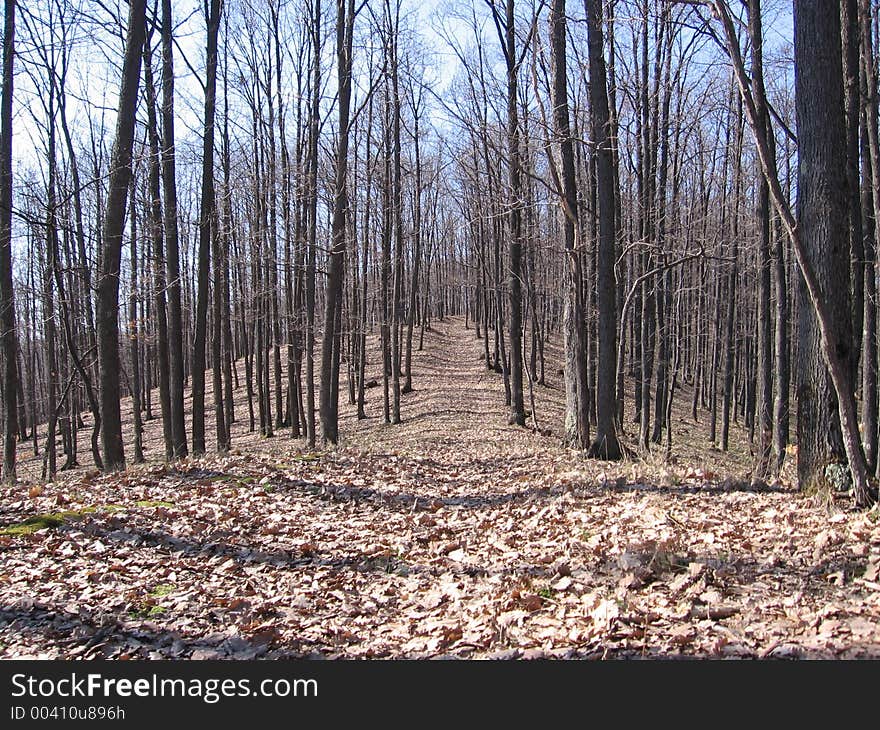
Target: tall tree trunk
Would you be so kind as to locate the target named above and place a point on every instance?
(872, 203)
(577, 423)
(762, 216)
(207, 234)
(731, 286)
(850, 41)
(870, 403)
(605, 446)
(367, 232)
(385, 263)
(417, 250)
(107, 320)
(159, 281)
(172, 249)
(8, 340)
(314, 121)
(49, 328)
(134, 336)
(517, 407)
(219, 316)
(397, 213)
(227, 238)
(822, 216)
(329, 345)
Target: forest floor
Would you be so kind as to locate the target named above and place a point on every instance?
(452, 534)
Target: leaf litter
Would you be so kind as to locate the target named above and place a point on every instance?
(452, 534)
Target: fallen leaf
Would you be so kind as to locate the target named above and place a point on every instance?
(563, 584)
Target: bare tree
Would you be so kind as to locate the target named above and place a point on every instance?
(577, 415)
(8, 342)
(172, 248)
(345, 15)
(107, 299)
(207, 235)
(816, 243)
(605, 445)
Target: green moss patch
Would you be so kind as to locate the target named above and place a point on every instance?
(56, 519)
(44, 521)
(146, 611)
(312, 456)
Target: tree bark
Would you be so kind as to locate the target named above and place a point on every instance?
(812, 76)
(159, 281)
(107, 320)
(872, 203)
(850, 42)
(172, 249)
(8, 339)
(329, 346)
(577, 423)
(605, 445)
(822, 217)
(134, 337)
(762, 216)
(207, 234)
(517, 407)
(314, 120)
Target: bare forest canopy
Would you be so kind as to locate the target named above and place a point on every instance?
(204, 200)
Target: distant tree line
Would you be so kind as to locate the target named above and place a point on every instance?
(651, 180)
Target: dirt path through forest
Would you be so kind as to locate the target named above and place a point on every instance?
(450, 534)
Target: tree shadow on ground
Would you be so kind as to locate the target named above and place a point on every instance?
(217, 545)
(727, 486)
(89, 634)
(102, 633)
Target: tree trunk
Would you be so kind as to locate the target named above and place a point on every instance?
(605, 445)
(817, 91)
(107, 299)
(8, 343)
(314, 121)
(134, 338)
(872, 204)
(577, 424)
(850, 41)
(207, 234)
(869, 324)
(822, 217)
(517, 407)
(417, 253)
(762, 216)
(159, 281)
(172, 250)
(397, 217)
(329, 346)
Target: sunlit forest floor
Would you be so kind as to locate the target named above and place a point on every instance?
(452, 534)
